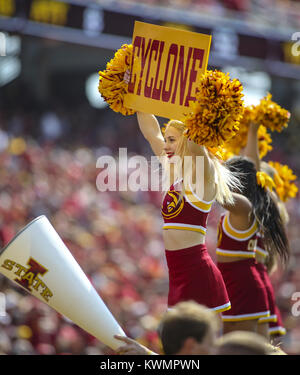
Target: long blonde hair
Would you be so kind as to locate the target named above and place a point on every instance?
(225, 180)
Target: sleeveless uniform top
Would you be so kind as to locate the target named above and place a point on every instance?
(186, 210)
(233, 242)
(260, 247)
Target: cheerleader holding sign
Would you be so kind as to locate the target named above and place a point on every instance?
(212, 117)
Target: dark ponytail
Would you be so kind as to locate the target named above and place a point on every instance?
(264, 208)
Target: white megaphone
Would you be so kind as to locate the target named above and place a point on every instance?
(38, 260)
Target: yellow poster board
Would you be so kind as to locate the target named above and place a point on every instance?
(166, 67)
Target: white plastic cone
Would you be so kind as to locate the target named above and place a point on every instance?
(38, 260)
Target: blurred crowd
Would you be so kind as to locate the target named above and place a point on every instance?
(285, 13)
(48, 167)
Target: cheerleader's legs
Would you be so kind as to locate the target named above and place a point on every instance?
(245, 325)
(221, 324)
(263, 329)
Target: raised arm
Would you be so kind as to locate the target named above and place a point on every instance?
(198, 150)
(251, 150)
(150, 129)
(241, 205)
(239, 212)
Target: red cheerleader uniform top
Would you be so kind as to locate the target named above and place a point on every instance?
(185, 210)
(260, 247)
(233, 242)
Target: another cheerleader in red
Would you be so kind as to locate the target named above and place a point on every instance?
(266, 258)
(192, 273)
(253, 211)
(274, 321)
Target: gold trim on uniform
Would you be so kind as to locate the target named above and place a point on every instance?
(225, 307)
(239, 318)
(277, 331)
(238, 234)
(261, 251)
(235, 253)
(196, 202)
(193, 228)
(268, 319)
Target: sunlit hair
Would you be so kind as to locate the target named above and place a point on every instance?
(226, 181)
(242, 343)
(176, 124)
(275, 350)
(265, 167)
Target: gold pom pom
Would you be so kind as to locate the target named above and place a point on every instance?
(283, 178)
(271, 115)
(216, 113)
(221, 152)
(239, 141)
(264, 141)
(265, 181)
(111, 84)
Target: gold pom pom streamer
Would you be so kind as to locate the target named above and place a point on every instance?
(216, 113)
(265, 181)
(239, 141)
(271, 114)
(221, 153)
(112, 87)
(264, 141)
(283, 178)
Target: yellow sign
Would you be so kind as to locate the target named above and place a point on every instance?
(49, 11)
(7, 7)
(166, 67)
(291, 52)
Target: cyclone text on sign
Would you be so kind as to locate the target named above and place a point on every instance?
(166, 66)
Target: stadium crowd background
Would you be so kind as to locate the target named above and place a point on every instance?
(279, 13)
(48, 154)
(223, 5)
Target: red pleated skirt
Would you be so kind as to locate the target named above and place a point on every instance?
(246, 291)
(269, 292)
(194, 276)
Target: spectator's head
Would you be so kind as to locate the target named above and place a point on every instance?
(242, 343)
(5, 343)
(188, 328)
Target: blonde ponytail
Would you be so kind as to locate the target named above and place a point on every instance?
(226, 182)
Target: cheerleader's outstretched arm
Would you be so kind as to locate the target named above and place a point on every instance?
(239, 212)
(150, 129)
(251, 150)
